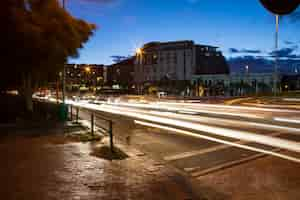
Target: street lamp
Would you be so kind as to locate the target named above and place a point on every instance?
(64, 72)
(278, 8)
(139, 54)
(139, 51)
(87, 69)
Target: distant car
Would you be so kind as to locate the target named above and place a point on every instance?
(161, 94)
(76, 98)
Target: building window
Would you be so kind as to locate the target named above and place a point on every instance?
(175, 58)
(161, 58)
(167, 57)
(155, 58)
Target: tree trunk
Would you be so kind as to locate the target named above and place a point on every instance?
(28, 93)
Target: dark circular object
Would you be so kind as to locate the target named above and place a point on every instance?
(280, 7)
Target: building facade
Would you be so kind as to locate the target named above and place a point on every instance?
(121, 75)
(234, 84)
(163, 63)
(290, 82)
(84, 76)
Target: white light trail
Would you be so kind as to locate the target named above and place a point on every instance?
(242, 146)
(157, 106)
(278, 106)
(229, 107)
(218, 131)
(234, 123)
(218, 121)
(236, 134)
(291, 99)
(289, 120)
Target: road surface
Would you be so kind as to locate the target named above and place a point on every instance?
(201, 139)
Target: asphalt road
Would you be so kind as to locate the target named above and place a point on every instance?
(201, 139)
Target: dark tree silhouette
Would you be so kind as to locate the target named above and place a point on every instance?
(37, 37)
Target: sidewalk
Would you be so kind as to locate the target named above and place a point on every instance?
(38, 166)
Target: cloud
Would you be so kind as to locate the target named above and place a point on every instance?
(119, 58)
(233, 50)
(107, 3)
(288, 42)
(260, 64)
(295, 16)
(288, 52)
(248, 51)
(99, 1)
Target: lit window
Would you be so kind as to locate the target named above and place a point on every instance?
(27, 5)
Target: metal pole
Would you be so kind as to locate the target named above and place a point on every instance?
(64, 72)
(92, 124)
(276, 56)
(57, 89)
(184, 71)
(77, 114)
(110, 130)
(71, 110)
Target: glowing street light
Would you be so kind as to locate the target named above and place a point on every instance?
(139, 51)
(87, 69)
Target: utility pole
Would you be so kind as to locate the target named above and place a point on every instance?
(275, 74)
(184, 70)
(64, 71)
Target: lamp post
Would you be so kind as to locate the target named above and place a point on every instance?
(276, 56)
(278, 7)
(64, 72)
(139, 56)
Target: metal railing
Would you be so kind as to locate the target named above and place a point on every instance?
(93, 116)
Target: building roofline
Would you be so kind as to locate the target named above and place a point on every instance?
(157, 43)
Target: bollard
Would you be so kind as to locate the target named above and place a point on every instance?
(77, 114)
(71, 110)
(111, 137)
(92, 124)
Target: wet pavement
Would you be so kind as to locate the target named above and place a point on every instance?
(48, 166)
(219, 171)
(268, 178)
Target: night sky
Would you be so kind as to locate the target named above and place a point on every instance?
(238, 27)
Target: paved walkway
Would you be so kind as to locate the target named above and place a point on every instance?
(38, 166)
(268, 178)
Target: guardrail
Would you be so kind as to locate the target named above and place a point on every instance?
(93, 117)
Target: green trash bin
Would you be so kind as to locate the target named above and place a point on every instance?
(63, 112)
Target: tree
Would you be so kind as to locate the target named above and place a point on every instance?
(37, 37)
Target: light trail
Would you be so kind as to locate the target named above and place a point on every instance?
(184, 110)
(294, 159)
(172, 123)
(289, 120)
(292, 99)
(278, 106)
(236, 134)
(216, 121)
(229, 107)
(235, 123)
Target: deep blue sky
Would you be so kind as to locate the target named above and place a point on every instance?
(124, 25)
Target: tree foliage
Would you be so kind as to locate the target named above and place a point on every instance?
(37, 37)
